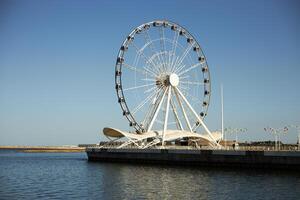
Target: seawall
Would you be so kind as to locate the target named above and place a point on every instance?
(42, 149)
(218, 158)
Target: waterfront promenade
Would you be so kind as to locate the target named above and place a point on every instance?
(46, 149)
(199, 157)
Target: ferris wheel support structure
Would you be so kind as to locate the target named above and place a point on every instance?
(167, 74)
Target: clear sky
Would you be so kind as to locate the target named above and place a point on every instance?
(57, 62)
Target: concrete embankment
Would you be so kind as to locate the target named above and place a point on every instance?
(222, 158)
(45, 149)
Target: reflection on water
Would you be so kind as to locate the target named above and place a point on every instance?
(69, 175)
(154, 182)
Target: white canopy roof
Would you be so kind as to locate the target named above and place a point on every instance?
(169, 135)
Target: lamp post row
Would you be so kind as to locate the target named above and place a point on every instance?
(277, 132)
(297, 127)
(274, 131)
(235, 131)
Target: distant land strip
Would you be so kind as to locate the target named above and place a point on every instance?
(44, 149)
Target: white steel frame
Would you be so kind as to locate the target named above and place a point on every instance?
(167, 78)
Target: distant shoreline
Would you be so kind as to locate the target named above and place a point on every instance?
(44, 149)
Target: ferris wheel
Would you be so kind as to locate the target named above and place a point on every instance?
(162, 79)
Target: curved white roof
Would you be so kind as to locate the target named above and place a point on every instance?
(169, 135)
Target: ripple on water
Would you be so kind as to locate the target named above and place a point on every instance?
(69, 175)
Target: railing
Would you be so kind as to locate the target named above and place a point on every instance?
(115, 145)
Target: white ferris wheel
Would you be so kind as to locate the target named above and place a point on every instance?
(162, 81)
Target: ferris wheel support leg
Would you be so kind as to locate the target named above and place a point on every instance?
(183, 110)
(156, 111)
(166, 116)
(176, 115)
(198, 118)
(152, 109)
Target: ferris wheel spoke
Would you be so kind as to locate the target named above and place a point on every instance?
(192, 82)
(184, 77)
(187, 50)
(179, 68)
(189, 69)
(152, 47)
(150, 70)
(155, 70)
(137, 108)
(150, 43)
(163, 46)
(160, 66)
(174, 46)
(150, 90)
(137, 87)
(148, 79)
(183, 88)
(146, 59)
(175, 60)
(144, 72)
(136, 60)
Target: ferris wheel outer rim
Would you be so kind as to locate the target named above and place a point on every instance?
(121, 95)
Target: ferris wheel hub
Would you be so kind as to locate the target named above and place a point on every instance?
(173, 79)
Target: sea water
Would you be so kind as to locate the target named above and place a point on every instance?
(71, 176)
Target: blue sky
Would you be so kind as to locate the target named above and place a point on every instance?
(57, 64)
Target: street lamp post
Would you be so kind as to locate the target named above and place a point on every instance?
(235, 131)
(276, 133)
(273, 132)
(297, 127)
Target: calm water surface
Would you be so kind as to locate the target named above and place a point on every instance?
(71, 176)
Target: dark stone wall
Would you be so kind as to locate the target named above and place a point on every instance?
(222, 158)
